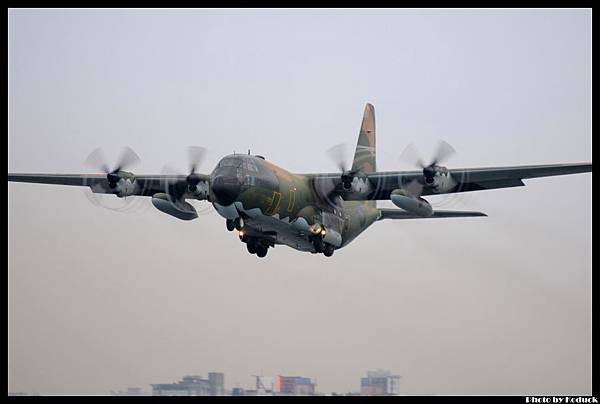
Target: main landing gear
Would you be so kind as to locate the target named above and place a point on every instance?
(257, 246)
(254, 246)
(323, 247)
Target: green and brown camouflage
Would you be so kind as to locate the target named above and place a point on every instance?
(365, 154)
(286, 196)
(279, 194)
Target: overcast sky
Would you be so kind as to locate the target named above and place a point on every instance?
(102, 299)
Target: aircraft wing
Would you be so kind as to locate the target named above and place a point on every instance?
(402, 214)
(142, 185)
(379, 185)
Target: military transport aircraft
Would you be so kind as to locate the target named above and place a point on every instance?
(318, 213)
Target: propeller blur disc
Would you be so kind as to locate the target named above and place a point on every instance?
(97, 161)
(443, 152)
(196, 155)
(338, 154)
(127, 159)
(410, 155)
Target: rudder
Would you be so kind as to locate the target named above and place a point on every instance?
(365, 154)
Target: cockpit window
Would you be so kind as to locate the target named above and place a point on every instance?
(244, 164)
(250, 165)
(228, 162)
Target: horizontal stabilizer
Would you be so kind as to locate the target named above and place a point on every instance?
(402, 214)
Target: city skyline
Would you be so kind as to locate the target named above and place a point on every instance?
(264, 385)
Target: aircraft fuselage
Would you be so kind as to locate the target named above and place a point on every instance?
(279, 207)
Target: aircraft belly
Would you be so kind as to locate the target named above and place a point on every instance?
(228, 212)
(280, 232)
(257, 224)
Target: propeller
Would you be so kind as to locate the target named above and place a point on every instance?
(196, 155)
(415, 187)
(96, 194)
(442, 153)
(338, 154)
(127, 158)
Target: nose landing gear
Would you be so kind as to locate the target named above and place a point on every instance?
(237, 224)
(229, 224)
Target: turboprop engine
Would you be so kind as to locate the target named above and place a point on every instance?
(118, 182)
(122, 184)
(411, 203)
(438, 179)
(177, 208)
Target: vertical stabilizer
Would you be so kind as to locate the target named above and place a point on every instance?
(364, 156)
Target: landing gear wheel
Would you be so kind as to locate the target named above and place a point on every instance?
(229, 224)
(328, 250)
(318, 244)
(238, 223)
(261, 251)
(251, 246)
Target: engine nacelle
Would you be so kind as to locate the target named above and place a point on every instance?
(411, 203)
(126, 187)
(360, 185)
(441, 182)
(176, 208)
(122, 187)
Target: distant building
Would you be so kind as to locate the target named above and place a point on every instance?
(131, 391)
(379, 383)
(237, 391)
(216, 381)
(294, 385)
(192, 386)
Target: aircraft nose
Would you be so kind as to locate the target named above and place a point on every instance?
(226, 189)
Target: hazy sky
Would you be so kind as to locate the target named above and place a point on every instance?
(101, 299)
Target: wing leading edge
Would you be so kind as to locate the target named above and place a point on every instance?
(475, 179)
(147, 185)
(382, 183)
(402, 214)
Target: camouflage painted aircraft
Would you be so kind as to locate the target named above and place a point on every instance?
(318, 213)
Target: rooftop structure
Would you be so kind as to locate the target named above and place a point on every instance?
(130, 391)
(294, 385)
(192, 386)
(380, 382)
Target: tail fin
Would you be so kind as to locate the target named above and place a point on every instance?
(364, 156)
